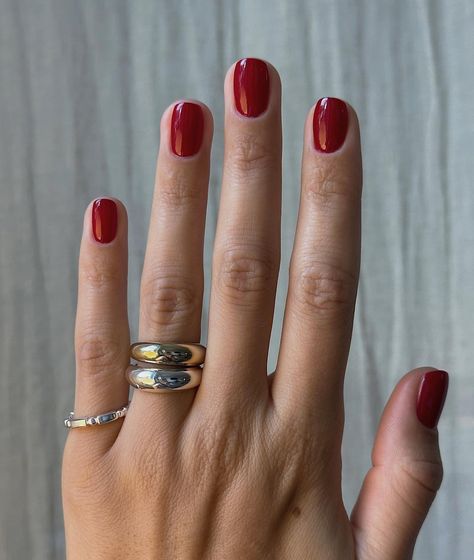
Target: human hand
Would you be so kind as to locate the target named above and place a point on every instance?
(245, 466)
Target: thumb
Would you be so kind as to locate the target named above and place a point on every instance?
(407, 470)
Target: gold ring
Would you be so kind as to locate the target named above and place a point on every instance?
(169, 354)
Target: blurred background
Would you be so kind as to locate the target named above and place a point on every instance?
(83, 84)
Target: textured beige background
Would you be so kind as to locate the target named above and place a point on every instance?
(82, 87)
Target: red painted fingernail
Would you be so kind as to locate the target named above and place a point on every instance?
(251, 86)
(431, 397)
(330, 123)
(104, 220)
(187, 127)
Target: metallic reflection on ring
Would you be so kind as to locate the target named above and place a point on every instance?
(189, 354)
(159, 380)
(104, 418)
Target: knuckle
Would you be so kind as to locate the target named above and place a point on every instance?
(416, 483)
(423, 477)
(178, 189)
(250, 153)
(324, 289)
(151, 461)
(244, 274)
(303, 457)
(330, 185)
(218, 448)
(169, 297)
(96, 352)
(307, 447)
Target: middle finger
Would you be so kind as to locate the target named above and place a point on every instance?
(172, 279)
(247, 246)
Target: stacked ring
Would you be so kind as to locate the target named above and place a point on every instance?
(163, 379)
(176, 366)
(182, 354)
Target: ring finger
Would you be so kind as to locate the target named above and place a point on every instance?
(172, 278)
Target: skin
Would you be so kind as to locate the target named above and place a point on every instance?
(246, 466)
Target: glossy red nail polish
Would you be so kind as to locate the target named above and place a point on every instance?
(187, 127)
(431, 397)
(104, 220)
(330, 123)
(251, 86)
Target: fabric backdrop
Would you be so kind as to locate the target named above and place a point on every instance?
(82, 88)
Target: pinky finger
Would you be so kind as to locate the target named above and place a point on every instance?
(102, 335)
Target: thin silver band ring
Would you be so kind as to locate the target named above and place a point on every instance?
(99, 419)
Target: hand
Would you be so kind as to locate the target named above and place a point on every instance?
(245, 466)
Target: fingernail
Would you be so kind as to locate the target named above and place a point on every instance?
(330, 123)
(187, 126)
(104, 220)
(251, 86)
(431, 397)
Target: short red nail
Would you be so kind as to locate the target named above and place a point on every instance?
(251, 86)
(431, 397)
(104, 220)
(187, 127)
(330, 122)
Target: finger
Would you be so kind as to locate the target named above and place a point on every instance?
(247, 244)
(101, 330)
(172, 279)
(407, 470)
(324, 266)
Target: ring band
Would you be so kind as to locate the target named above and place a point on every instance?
(163, 380)
(104, 418)
(182, 354)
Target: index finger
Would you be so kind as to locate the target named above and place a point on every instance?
(324, 265)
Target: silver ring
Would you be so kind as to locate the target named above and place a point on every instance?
(163, 380)
(182, 354)
(104, 418)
